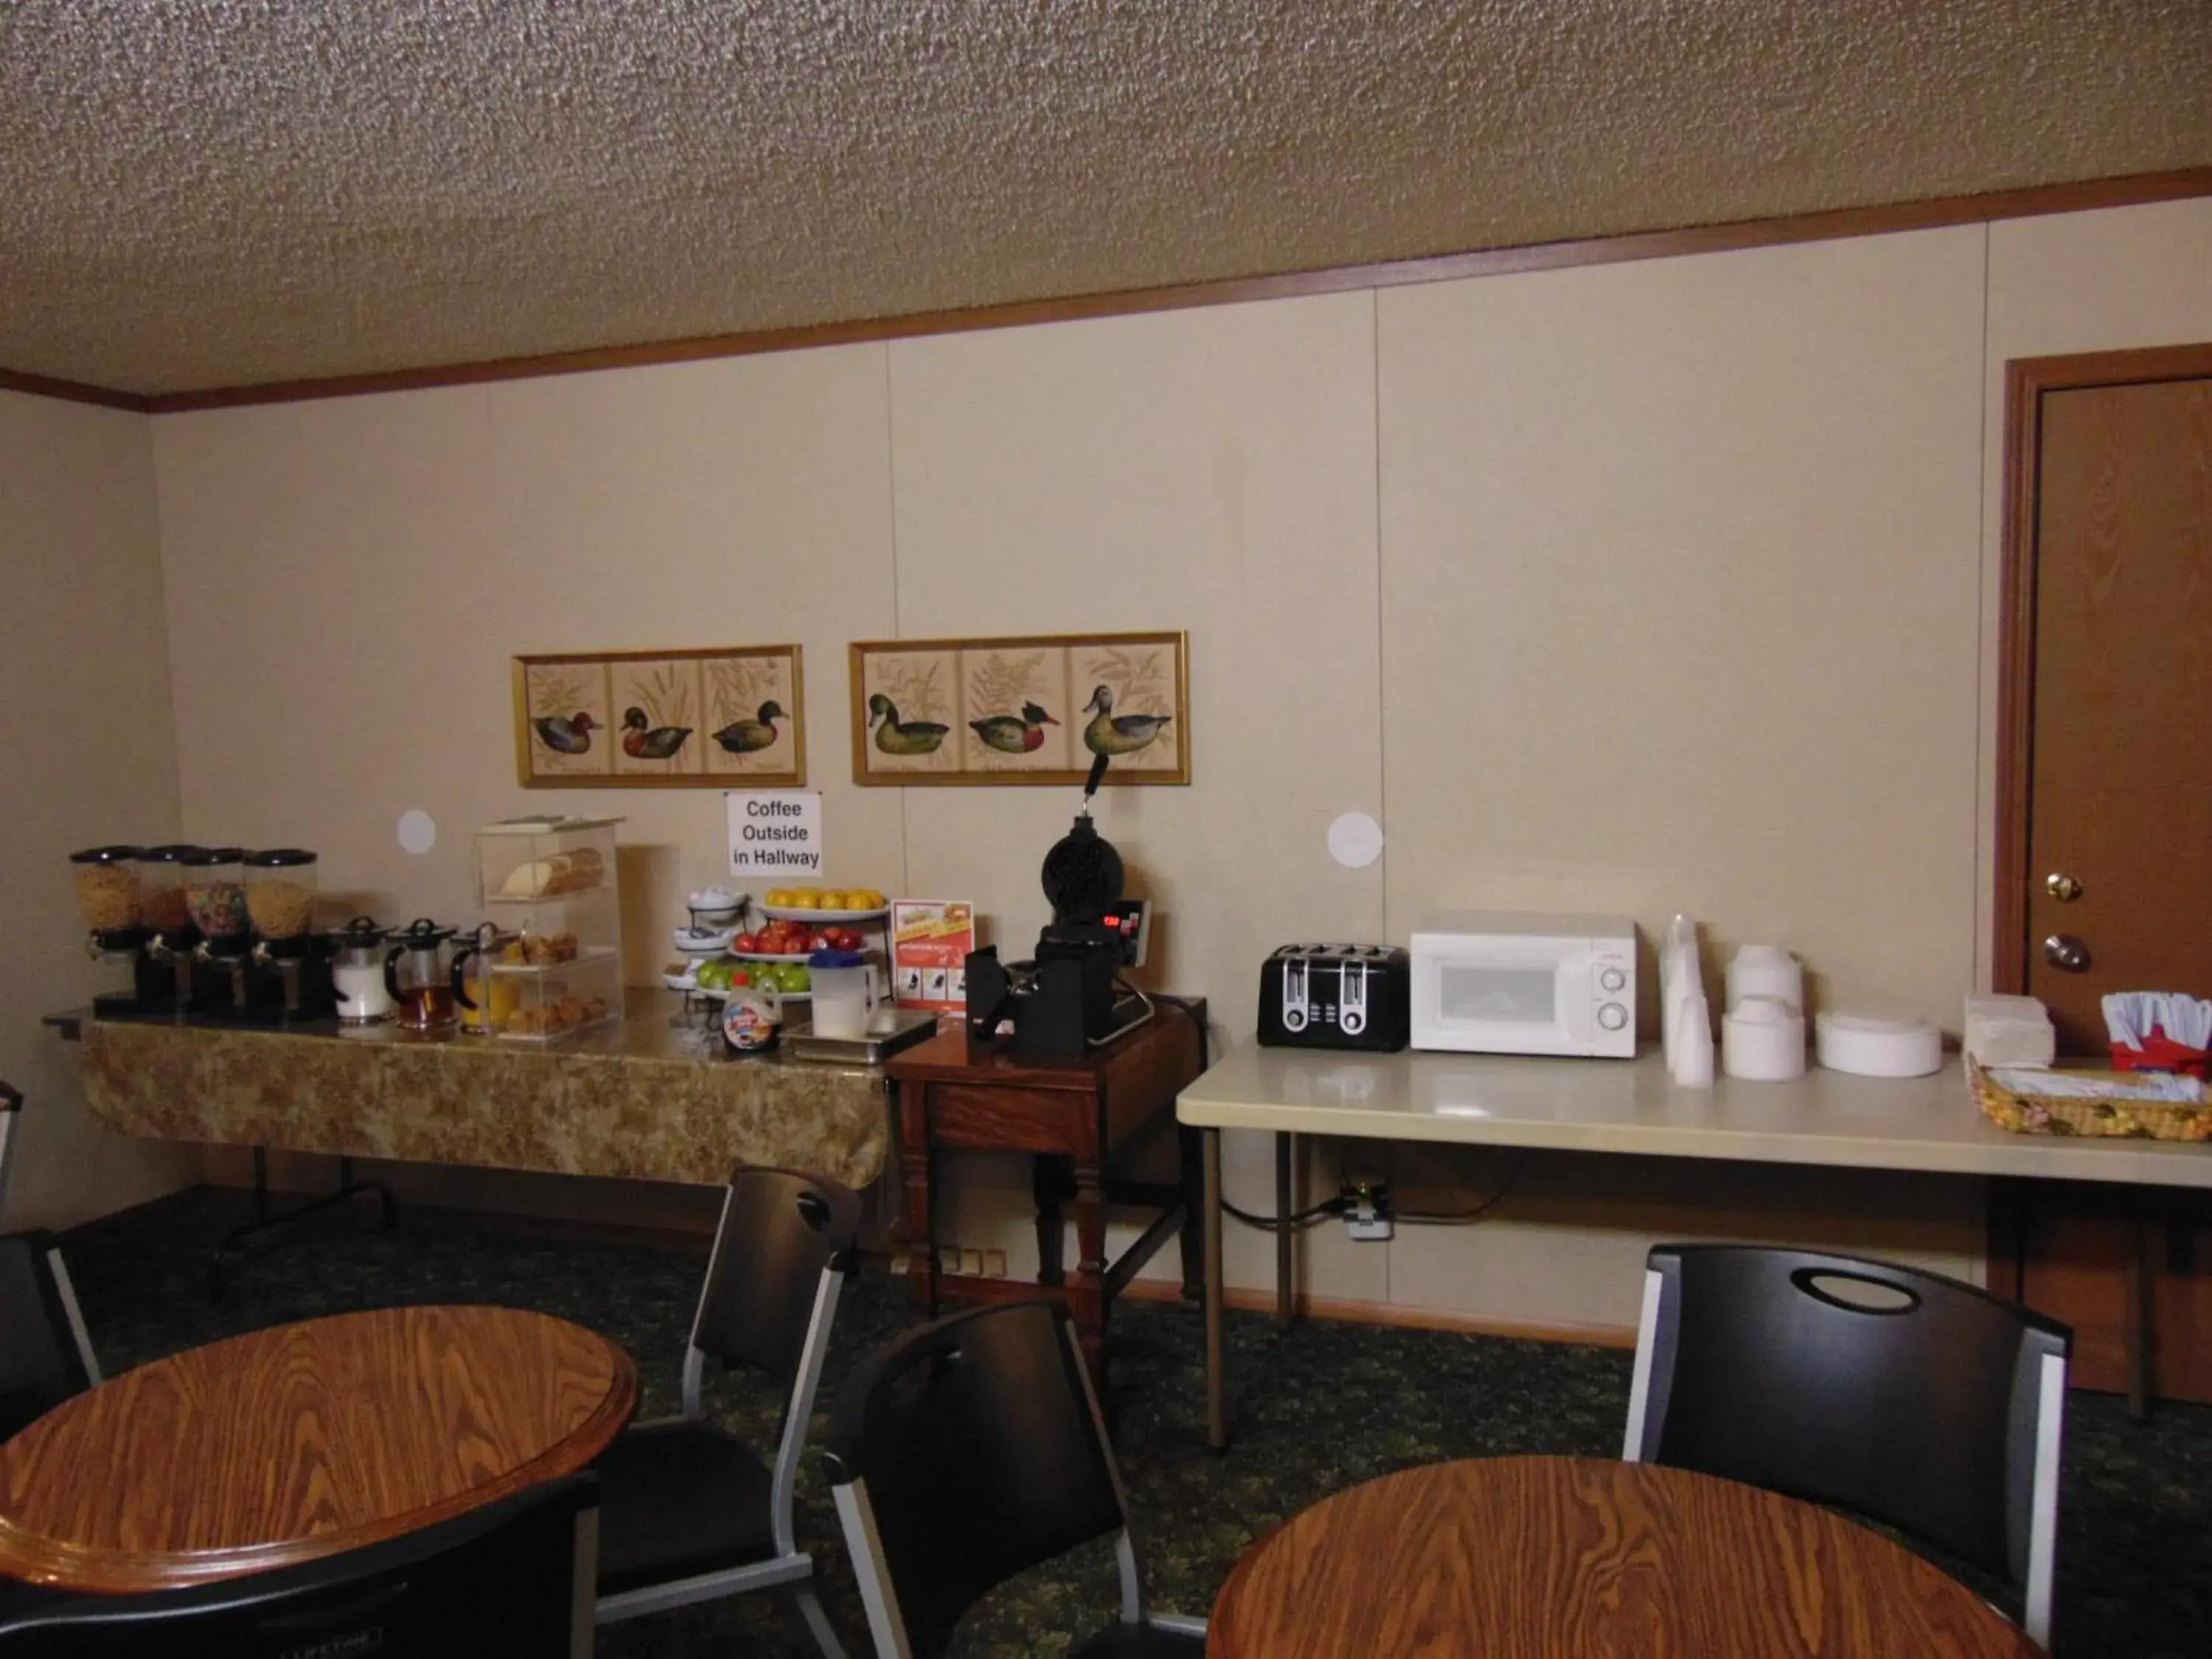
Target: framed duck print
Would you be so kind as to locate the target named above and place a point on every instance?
(722, 717)
(1029, 709)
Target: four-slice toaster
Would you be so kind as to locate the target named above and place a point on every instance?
(1336, 996)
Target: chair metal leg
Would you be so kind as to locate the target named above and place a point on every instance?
(818, 1621)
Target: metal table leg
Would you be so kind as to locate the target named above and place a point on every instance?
(1216, 1403)
(267, 1217)
(1286, 1148)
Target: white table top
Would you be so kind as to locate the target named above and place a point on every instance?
(1929, 1124)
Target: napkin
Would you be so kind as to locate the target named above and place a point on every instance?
(2131, 1016)
(2010, 1031)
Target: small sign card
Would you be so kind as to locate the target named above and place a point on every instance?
(930, 942)
(775, 832)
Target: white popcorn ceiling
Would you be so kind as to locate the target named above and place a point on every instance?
(204, 192)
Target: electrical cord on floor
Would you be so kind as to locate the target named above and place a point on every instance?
(1467, 1218)
(1266, 1224)
(1270, 1223)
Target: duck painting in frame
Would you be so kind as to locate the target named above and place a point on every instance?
(707, 718)
(1030, 710)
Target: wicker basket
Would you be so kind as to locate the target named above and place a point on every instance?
(2054, 1114)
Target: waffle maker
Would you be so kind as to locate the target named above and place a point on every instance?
(1064, 1001)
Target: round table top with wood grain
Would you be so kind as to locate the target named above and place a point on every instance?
(1567, 1558)
(301, 1441)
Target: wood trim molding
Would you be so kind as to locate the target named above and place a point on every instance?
(72, 392)
(2081, 195)
(2026, 380)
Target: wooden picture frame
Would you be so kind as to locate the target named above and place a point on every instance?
(622, 706)
(959, 711)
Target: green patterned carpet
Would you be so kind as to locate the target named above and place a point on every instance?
(1328, 1406)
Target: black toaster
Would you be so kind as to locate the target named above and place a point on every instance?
(1336, 996)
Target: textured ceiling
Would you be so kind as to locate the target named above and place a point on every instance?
(203, 192)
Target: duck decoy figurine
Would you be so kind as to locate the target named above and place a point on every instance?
(896, 736)
(643, 740)
(1109, 733)
(1013, 734)
(749, 737)
(572, 735)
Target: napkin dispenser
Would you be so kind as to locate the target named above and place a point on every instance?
(1337, 996)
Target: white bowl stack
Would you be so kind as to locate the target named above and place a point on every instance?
(1763, 1032)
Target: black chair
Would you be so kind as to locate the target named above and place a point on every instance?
(11, 1108)
(510, 1581)
(688, 1513)
(970, 1449)
(46, 1355)
(1916, 1400)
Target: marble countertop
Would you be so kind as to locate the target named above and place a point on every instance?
(1928, 1123)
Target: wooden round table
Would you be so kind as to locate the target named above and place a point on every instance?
(303, 1441)
(1562, 1557)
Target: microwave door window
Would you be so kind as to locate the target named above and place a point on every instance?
(1522, 997)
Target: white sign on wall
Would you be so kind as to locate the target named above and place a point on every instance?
(775, 832)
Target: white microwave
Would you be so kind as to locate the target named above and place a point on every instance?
(1499, 982)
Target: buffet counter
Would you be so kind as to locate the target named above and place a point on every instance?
(650, 1096)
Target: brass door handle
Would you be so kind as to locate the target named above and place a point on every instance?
(2062, 887)
(2066, 953)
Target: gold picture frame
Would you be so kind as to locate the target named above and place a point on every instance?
(713, 696)
(1023, 709)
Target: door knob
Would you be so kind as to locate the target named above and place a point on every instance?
(2062, 887)
(2066, 953)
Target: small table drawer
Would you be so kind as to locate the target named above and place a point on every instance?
(1012, 1120)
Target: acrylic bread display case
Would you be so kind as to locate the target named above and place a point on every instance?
(551, 883)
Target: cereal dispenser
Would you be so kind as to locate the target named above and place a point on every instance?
(108, 893)
(291, 966)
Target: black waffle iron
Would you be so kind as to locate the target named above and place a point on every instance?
(1065, 1002)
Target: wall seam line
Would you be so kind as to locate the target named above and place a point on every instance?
(898, 618)
(1981, 952)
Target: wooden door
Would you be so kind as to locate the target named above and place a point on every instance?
(2119, 843)
(2104, 783)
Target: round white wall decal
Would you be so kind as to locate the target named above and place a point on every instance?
(1355, 840)
(418, 831)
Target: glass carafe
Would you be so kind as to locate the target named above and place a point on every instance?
(488, 999)
(357, 973)
(418, 972)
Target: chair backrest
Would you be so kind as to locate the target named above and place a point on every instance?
(1916, 1401)
(964, 1452)
(780, 1232)
(46, 1356)
(513, 1580)
(11, 1109)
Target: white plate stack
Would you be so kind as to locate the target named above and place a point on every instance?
(1763, 1032)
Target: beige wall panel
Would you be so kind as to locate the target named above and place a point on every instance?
(88, 754)
(2077, 282)
(349, 580)
(1566, 1245)
(1679, 598)
(1212, 470)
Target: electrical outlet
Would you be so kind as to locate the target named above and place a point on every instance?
(1367, 1212)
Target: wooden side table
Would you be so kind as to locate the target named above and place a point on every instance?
(1569, 1558)
(1074, 1117)
(303, 1441)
